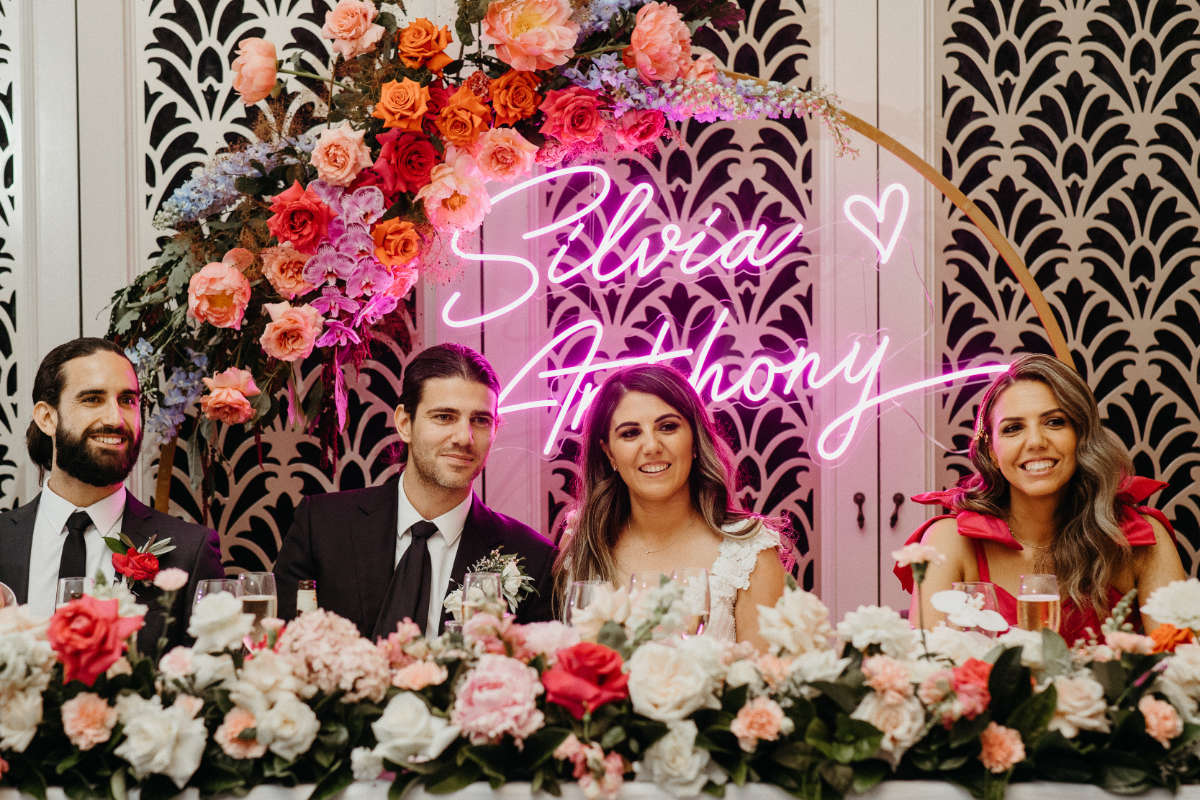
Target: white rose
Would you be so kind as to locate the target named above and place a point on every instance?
(798, 623)
(408, 732)
(667, 684)
(1180, 681)
(365, 763)
(901, 721)
(20, 719)
(675, 764)
(511, 577)
(263, 681)
(744, 673)
(290, 727)
(958, 645)
(1177, 603)
(815, 665)
(1081, 705)
(165, 741)
(209, 670)
(25, 662)
(870, 625)
(453, 604)
(708, 652)
(609, 604)
(1030, 643)
(218, 623)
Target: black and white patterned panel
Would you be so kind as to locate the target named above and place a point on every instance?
(1074, 126)
(756, 173)
(11, 430)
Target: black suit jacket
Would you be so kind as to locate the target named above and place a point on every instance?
(346, 542)
(197, 551)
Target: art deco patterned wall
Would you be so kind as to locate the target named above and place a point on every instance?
(11, 429)
(1074, 124)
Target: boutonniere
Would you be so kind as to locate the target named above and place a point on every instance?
(515, 584)
(137, 563)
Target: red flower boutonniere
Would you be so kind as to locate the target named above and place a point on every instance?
(137, 563)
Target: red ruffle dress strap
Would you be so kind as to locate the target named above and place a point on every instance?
(981, 560)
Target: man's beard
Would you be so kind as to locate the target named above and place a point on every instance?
(427, 467)
(72, 456)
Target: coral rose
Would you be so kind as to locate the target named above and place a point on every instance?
(503, 154)
(283, 267)
(409, 156)
(218, 294)
(759, 720)
(1167, 637)
(637, 128)
(89, 635)
(572, 115)
(88, 720)
(585, 677)
(1162, 720)
(396, 241)
(514, 96)
(340, 155)
(455, 197)
(402, 104)
(254, 69)
(704, 68)
(463, 118)
(292, 331)
(351, 28)
(299, 217)
(660, 46)
(226, 401)
(1001, 748)
(136, 566)
(531, 34)
(970, 682)
(422, 44)
(228, 735)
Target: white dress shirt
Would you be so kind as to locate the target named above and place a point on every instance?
(443, 547)
(49, 535)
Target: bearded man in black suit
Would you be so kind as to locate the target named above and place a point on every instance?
(390, 552)
(86, 435)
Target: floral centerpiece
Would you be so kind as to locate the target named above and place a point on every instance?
(301, 247)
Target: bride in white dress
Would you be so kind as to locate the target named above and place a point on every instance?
(657, 495)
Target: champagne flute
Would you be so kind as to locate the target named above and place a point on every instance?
(1038, 603)
(215, 585)
(580, 595)
(481, 592)
(259, 598)
(71, 589)
(984, 593)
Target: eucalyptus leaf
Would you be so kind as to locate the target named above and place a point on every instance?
(1056, 656)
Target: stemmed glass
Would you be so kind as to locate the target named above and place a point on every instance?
(984, 593)
(259, 598)
(580, 595)
(695, 600)
(481, 592)
(71, 589)
(7, 596)
(1038, 603)
(214, 585)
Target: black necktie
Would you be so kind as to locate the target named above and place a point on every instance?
(73, 563)
(408, 590)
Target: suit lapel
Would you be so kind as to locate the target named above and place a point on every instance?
(16, 541)
(135, 524)
(373, 550)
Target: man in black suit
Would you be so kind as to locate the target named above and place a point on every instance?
(86, 434)
(389, 552)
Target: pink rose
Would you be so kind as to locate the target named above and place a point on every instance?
(254, 70)
(572, 115)
(340, 155)
(531, 34)
(660, 45)
(1162, 720)
(89, 635)
(638, 128)
(219, 293)
(1126, 642)
(171, 579)
(498, 697)
(226, 401)
(1001, 748)
(283, 267)
(292, 331)
(351, 27)
(502, 154)
(88, 720)
(888, 677)
(971, 687)
(236, 721)
(455, 197)
(419, 674)
(936, 687)
(761, 719)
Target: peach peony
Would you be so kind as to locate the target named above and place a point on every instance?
(1162, 720)
(88, 720)
(464, 118)
(396, 242)
(455, 198)
(660, 46)
(254, 70)
(351, 28)
(402, 104)
(340, 155)
(760, 720)
(218, 294)
(531, 34)
(283, 267)
(514, 96)
(237, 720)
(419, 674)
(888, 676)
(503, 154)
(1127, 642)
(423, 44)
(1001, 748)
(292, 331)
(704, 68)
(226, 401)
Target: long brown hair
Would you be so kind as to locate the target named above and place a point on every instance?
(1089, 548)
(602, 508)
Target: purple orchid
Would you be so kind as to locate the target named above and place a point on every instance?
(332, 303)
(364, 205)
(338, 334)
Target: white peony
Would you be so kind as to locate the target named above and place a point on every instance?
(263, 681)
(21, 715)
(744, 672)
(900, 720)
(873, 625)
(1180, 681)
(289, 727)
(365, 763)
(815, 665)
(609, 604)
(164, 741)
(708, 652)
(1030, 643)
(667, 683)
(408, 732)
(218, 623)
(25, 661)
(958, 646)
(16, 619)
(1081, 705)
(1177, 603)
(676, 765)
(798, 623)
(209, 670)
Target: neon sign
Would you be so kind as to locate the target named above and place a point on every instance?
(763, 375)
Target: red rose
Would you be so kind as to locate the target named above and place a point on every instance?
(300, 218)
(411, 157)
(572, 115)
(586, 676)
(89, 636)
(136, 566)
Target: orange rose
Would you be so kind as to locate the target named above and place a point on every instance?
(402, 104)
(396, 241)
(283, 267)
(463, 118)
(254, 70)
(227, 399)
(1167, 637)
(421, 44)
(514, 96)
(292, 331)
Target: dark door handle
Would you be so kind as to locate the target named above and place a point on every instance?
(898, 500)
(859, 499)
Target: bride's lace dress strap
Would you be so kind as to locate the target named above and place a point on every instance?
(731, 571)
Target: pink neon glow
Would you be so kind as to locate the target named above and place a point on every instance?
(879, 212)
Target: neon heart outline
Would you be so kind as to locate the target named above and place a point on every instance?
(878, 210)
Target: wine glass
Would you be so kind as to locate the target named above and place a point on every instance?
(983, 593)
(214, 585)
(481, 592)
(1038, 603)
(580, 595)
(71, 589)
(651, 579)
(695, 598)
(7, 596)
(259, 598)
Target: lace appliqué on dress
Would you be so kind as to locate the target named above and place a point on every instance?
(730, 572)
